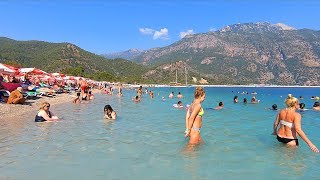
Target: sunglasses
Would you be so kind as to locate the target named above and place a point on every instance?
(48, 106)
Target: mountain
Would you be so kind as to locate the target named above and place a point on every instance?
(248, 53)
(67, 58)
(129, 54)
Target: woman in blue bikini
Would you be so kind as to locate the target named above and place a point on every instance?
(290, 125)
(194, 117)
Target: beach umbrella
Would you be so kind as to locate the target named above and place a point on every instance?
(32, 71)
(5, 69)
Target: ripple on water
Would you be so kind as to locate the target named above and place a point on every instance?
(147, 140)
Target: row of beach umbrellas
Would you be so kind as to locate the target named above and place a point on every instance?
(35, 72)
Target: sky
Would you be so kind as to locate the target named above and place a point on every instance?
(118, 25)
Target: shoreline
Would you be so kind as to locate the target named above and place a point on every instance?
(16, 111)
(249, 86)
(10, 111)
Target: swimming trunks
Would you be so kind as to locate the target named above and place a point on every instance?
(286, 140)
(83, 87)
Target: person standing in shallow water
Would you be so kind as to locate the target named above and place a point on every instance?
(290, 125)
(194, 117)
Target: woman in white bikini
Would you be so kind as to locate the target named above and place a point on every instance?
(290, 125)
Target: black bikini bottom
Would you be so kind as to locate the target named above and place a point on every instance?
(286, 140)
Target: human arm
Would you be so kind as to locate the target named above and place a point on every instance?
(297, 126)
(45, 116)
(275, 124)
(192, 117)
(187, 117)
(113, 115)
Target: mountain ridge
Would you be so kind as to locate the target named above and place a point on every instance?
(259, 53)
(67, 58)
(128, 54)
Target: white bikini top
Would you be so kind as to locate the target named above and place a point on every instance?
(286, 123)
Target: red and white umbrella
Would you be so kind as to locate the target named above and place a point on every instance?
(4, 68)
(32, 71)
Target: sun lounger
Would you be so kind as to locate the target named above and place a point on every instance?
(46, 92)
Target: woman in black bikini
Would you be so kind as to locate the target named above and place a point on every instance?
(290, 125)
(44, 114)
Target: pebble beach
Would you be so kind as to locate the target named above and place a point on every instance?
(12, 111)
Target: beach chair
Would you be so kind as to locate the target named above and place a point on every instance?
(46, 92)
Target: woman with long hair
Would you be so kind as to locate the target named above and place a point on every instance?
(194, 117)
(290, 125)
(109, 113)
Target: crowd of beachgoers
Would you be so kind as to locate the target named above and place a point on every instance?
(36, 84)
(24, 89)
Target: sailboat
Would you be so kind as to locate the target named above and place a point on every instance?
(176, 82)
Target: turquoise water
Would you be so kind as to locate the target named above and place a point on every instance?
(147, 140)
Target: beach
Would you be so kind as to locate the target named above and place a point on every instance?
(14, 111)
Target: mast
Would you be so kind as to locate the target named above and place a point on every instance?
(176, 76)
(185, 71)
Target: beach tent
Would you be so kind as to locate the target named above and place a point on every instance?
(32, 71)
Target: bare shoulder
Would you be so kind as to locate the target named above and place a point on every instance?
(297, 115)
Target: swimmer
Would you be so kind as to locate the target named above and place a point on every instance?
(151, 94)
(316, 106)
(179, 95)
(44, 114)
(178, 105)
(290, 125)
(194, 117)
(171, 95)
(245, 100)
(254, 100)
(235, 99)
(137, 99)
(109, 113)
(302, 107)
(274, 107)
(220, 106)
(90, 96)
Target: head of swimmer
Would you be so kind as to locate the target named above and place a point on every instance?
(274, 107)
(292, 102)
(108, 109)
(200, 94)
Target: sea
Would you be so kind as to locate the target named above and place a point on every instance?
(147, 141)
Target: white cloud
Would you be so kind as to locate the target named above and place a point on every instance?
(162, 34)
(188, 32)
(146, 31)
(212, 29)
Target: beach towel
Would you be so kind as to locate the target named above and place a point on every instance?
(10, 86)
